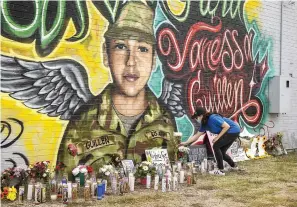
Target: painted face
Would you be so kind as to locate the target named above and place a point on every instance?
(131, 63)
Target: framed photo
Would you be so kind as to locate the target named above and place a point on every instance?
(128, 166)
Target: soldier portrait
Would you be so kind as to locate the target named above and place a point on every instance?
(126, 118)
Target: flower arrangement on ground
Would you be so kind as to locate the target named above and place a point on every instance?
(40, 170)
(106, 171)
(145, 168)
(9, 193)
(15, 176)
(274, 145)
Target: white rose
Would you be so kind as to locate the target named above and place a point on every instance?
(103, 170)
(44, 175)
(145, 168)
(47, 170)
(83, 170)
(75, 171)
(107, 173)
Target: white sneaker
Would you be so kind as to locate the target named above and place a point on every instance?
(217, 172)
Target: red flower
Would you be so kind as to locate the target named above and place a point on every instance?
(5, 191)
(72, 149)
(90, 169)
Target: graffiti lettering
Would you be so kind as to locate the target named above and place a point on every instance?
(207, 54)
(46, 33)
(227, 97)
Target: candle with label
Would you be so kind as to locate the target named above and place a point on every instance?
(99, 191)
(69, 187)
(131, 183)
(156, 183)
(163, 184)
(174, 183)
(169, 183)
(37, 195)
(21, 194)
(65, 193)
(181, 176)
(148, 181)
(179, 166)
(74, 192)
(94, 190)
(87, 193)
(104, 183)
(30, 191)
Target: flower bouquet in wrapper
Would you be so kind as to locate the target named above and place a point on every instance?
(82, 171)
(183, 153)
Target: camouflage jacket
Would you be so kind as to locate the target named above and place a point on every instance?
(99, 136)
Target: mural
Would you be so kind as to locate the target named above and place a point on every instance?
(90, 82)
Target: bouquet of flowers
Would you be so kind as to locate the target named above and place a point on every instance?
(145, 168)
(274, 145)
(15, 176)
(60, 167)
(106, 171)
(9, 193)
(183, 153)
(83, 169)
(40, 170)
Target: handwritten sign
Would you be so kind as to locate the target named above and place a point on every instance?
(159, 157)
(197, 153)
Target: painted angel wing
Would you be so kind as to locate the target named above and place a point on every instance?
(56, 88)
(172, 97)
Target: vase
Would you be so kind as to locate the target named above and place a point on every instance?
(81, 179)
(143, 181)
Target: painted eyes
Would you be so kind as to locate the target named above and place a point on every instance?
(121, 46)
(142, 49)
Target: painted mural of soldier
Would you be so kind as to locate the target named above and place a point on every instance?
(121, 122)
(126, 118)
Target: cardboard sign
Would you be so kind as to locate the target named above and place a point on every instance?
(128, 166)
(159, 157)
(197, 153)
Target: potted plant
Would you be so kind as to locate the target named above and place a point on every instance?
(143, 169)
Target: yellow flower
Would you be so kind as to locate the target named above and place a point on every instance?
(11, 193)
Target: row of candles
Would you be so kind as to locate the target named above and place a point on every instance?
(95, 189)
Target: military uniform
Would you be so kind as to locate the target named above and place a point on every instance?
(98, 135)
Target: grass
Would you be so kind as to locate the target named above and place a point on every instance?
(268, 182)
